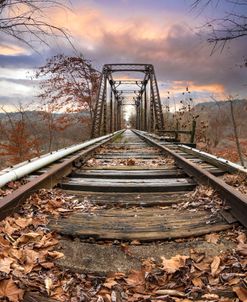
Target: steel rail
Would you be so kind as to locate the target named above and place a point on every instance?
(222, 163)
(22, 170)
(236, 200)
(49, 179)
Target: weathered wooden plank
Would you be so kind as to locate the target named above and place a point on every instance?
(129, 185)
(142, 224)
(103, 259)
(165, 173)
(126, 156)
(130, 199)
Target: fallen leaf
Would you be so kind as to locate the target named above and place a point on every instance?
(8, 289)
(55, 254)
(47, 265)
(197, 282)
(23, 222)
(215, 265)
(5, 265)
(135, 278)
(201, 266)
(31, 260)
(28, 237)
(241, 293)
(4, 242)
(212, 238)
(8, 229)
(170, 292)
(173, 264)
(110, 282)
(211, 297)
(241, 238)
(242, 249)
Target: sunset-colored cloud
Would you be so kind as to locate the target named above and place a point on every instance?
(141, 31)
(11, 50)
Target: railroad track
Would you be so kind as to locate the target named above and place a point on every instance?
(141, 188)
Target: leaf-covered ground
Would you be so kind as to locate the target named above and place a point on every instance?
(28, 253)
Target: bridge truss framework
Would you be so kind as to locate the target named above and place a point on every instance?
(111, 99)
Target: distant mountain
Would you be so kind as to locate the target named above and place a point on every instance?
(33, 115)
(212, 104)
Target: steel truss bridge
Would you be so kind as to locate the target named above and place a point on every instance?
(116, 92)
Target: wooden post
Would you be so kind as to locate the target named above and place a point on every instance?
(193, 131)
(176, 131)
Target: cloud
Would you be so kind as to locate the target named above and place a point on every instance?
(164, 38)
(20, 61)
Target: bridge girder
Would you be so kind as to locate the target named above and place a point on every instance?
(109, 103)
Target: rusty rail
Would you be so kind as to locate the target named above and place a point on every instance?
(49, 179)
(236, 200)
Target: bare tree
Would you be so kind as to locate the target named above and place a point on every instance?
(232, 25)
(27, 20)
(234, 124)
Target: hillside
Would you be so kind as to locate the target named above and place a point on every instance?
(32, 133)
(219, 132)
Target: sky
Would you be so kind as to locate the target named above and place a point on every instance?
(166, 33)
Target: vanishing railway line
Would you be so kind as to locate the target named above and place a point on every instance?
(119, 200)
(139, 185)
(125, 164)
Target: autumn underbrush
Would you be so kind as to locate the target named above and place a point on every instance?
(226, 149)
(29, 250)
(238, 181)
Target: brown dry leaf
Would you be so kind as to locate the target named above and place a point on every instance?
(59, 294)
(47, 265)
(241, 293)
(170, 292)
(242, 249)
(23, 222)
(241, 238)
(16, 253)
(29, 237)
(234, 281)
(55, 254)
(212, 238)
(4, 242)
(201, 266)
(215, 265)
(8, 289)
(48, 285)
(31, 260)
(173, 264)
(197, 282)
(8, 229)
(5, 265)
(211, 297)
(46, 241)
(135, 278)
(110, 282)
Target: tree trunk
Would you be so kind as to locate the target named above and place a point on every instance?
(236, 134)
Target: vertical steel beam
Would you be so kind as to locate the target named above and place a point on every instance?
(145, 108)
(111, 109)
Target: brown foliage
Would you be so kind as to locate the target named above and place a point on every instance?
(18, 143)
(69, 83)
